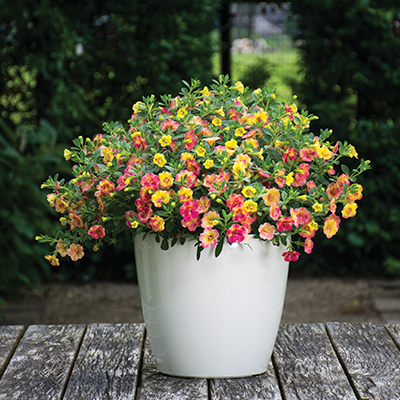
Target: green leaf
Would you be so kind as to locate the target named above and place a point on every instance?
(218, 248)
(165, 244)
(345, 169)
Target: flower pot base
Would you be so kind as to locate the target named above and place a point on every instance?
(216, 317)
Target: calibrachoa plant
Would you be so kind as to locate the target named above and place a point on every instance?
(210, 164)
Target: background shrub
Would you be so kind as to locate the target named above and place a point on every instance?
(349, 58)
(65, 67)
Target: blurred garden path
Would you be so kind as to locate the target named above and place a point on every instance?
(307, 300)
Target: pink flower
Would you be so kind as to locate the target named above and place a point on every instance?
(308, 245)
(129, 215)
(289, 155)
(291, 255)
(210, 219)
(242, 216)
(331, 225)
(186, 178)
(189, 210)
(97, 231)
(139, 143)
(301, 175)
(209, 237)
(300, 216)
(236, 233)
(62, 248)
(150, 181)
(334, 190)
(284, 224)
(191, 224)
(192, 166)
(266, 231)
(169, 125)
(76, 221)
(75, 251)
(156, 223)
(308, 154)
(123, 182)
(190, 141)
(204, 204)
(105, 187)
(234, 201)
(275, 211)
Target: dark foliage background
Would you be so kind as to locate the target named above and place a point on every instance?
(350, 55)
(65, 67)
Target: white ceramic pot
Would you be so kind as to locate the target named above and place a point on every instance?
(216, 317)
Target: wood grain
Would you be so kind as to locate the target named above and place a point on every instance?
(264, 386)
(394, 332)
(307, 364)
(41, 363)
(370, 357)
(155, 385)
(9, 337)
(108, 363)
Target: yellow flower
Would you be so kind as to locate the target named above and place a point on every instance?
(220, 112)
(68, 154)
(352, 152)
(138, 106)
(324, 153)
(313, 225)
(250, 206)
(249, 191)
(187, 156)
(165, 140)
(257, 91)
(205, 92)
(182, 112)
(209, 164)
(289, 179)
(317, 207)
(159, 160)
(240, 131)
(259, 154)
(231, 144)
(239, 87)
(63, 221)
(200, 151)
(217, 121)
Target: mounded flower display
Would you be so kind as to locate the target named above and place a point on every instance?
(217, 164)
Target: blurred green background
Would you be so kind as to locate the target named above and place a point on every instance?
(67, 66)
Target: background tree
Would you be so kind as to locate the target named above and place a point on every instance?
(65, 67)
(350, 61)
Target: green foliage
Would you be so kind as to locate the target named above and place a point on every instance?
(24, 155)
(76, 64)
(257, 74)
(349, 58)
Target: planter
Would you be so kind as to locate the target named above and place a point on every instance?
(216, 317)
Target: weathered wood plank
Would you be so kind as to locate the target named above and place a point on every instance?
(371, 358)
(108, 363)
(9, 337)
(155, 385)
(394, 332)
(41, 363)
(264, 386)
(307, 364)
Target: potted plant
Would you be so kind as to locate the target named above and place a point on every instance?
(220, 173)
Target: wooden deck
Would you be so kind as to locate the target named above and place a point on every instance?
(114, 361)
